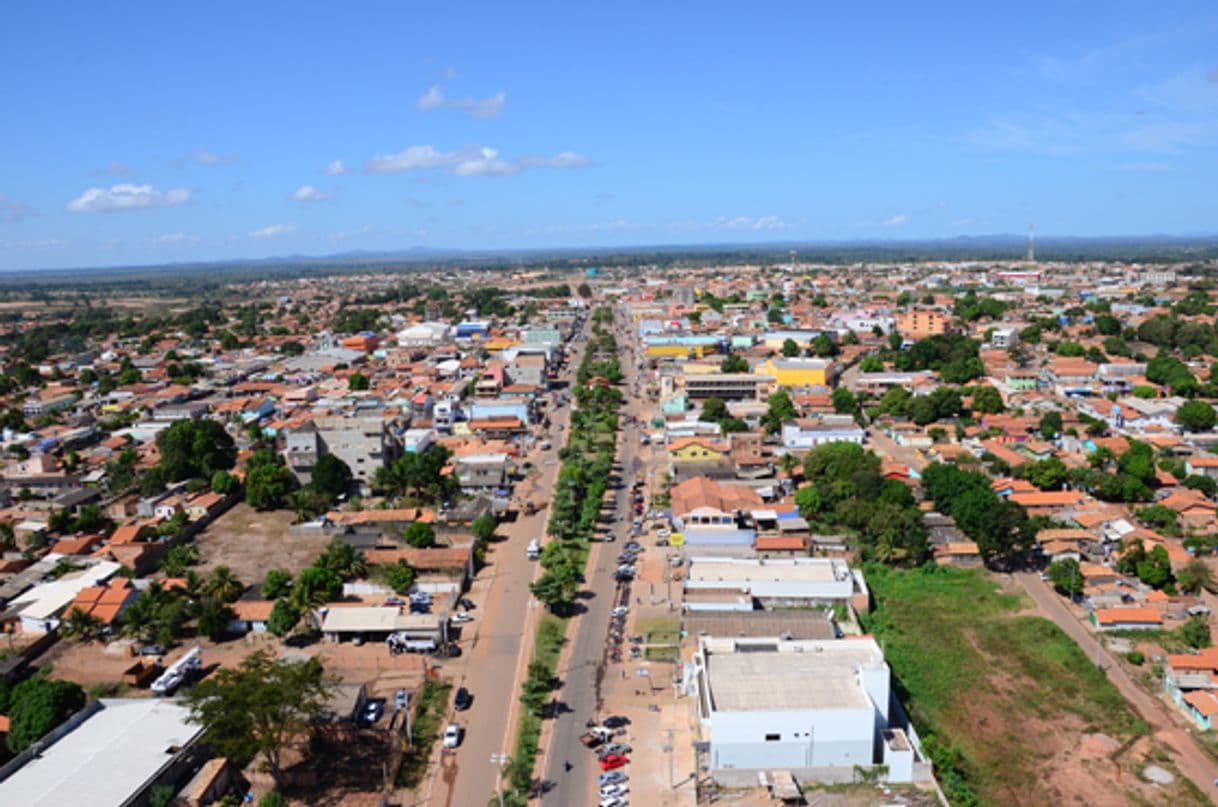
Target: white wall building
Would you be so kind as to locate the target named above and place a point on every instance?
(770, 705)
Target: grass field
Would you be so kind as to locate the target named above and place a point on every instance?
(1003, 702)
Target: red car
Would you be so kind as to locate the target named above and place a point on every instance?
(614, 761)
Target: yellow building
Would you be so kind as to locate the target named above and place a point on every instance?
(797, 372)
(674, 351)
(696, 449)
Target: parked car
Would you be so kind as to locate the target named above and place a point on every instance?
(615, 721)
(452, 736)
(613, 761)
(634, 546)
(613, 778)
(394, 601)
(466, 603)
(401, 699)
(614, 790)
(616, 748)
(462, 616)
(462, 700)
(613, 801)
(621, 610)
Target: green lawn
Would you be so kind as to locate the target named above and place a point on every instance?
(433, 700)
(982, 684)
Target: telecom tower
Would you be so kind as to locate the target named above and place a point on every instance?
(1031, 243)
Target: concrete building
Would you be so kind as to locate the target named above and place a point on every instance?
(766, 704)
(113, 752)
(919, 324)
(1004, 338)
(781, 582)
(728, 386)
(797, 372)
(364, 443)
(802, 435)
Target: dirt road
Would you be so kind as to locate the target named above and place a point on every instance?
(1191, 761)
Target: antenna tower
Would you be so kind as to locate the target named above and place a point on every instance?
(1031, 243)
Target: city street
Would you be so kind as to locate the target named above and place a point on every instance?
(583, 676)
(496, 651)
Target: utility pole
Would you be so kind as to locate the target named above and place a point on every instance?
(499, 760)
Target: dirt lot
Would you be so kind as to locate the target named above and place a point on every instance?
(250, 543)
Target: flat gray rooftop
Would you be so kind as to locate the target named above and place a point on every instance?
(768, 681)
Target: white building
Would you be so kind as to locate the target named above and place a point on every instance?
(767, 704)
(802, 435)
(780, 580)
(114, 752)
(425, 334)
(1004, 338)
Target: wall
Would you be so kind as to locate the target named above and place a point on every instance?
(808, 738)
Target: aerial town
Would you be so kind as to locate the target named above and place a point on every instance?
(785, 532)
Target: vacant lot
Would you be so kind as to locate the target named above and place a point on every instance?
(250, 543)
(1009, 708)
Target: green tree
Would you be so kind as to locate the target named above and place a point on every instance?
(871, 364)
(483, 527)
(214, 618)
(844, 402)
(177, 558)
(38, 705)
(557, 588)
(224, 585)
(1204, 484)
(343, 559)
(732, 363)
(1195, 576)
(1065, 575)
(224, 483)
(194, 448)
(1195, 633)
(1155, 569)
(331, 476)
(357, 382)
(781, 409)
(1047, 474)
(419, 534)
(283, 618)
(823, 347)
(398, 576)
(315, 586)
(261, 707)
(789, 348)
(268, 482)
(986, 401)
(308, 503)
(80, 624)
(278, 583)
(1196, 416)
(1051, 425)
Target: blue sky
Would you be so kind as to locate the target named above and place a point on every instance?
(145, 135)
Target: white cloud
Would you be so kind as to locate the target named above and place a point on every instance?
(205, 157)
(335, 168)
(127, 197)
(273, 231)
(757, 224)
(478, 108)
(896, 221)
(1143, 168)
(308, 193)
(411, 158)
(470, 162)
(177, 238)
(117, 168)
(487, 163)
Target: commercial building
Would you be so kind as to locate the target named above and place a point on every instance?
(728, 386)
(363, 443)
(781, 582)
(114, 752)
(797, 372)
(919, 324)
(769, 704)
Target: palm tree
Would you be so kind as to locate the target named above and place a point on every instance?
(224, 585)
(1195, 575)
(80, 624)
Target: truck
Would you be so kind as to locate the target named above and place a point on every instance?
(595, 736)
(533, 552)
(179, 672)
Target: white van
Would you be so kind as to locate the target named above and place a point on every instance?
(533, 552)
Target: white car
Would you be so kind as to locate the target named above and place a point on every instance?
(621, 610)
(462, 616)
(452, 736)
(608, 791)
(663, 533)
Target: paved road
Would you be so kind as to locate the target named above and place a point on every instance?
(581, 680)
(1189, 759)
(894, 450)
(497, 648)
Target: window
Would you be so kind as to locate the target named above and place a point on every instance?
(773, 738)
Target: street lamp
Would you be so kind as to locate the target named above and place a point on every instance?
(499, 760)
